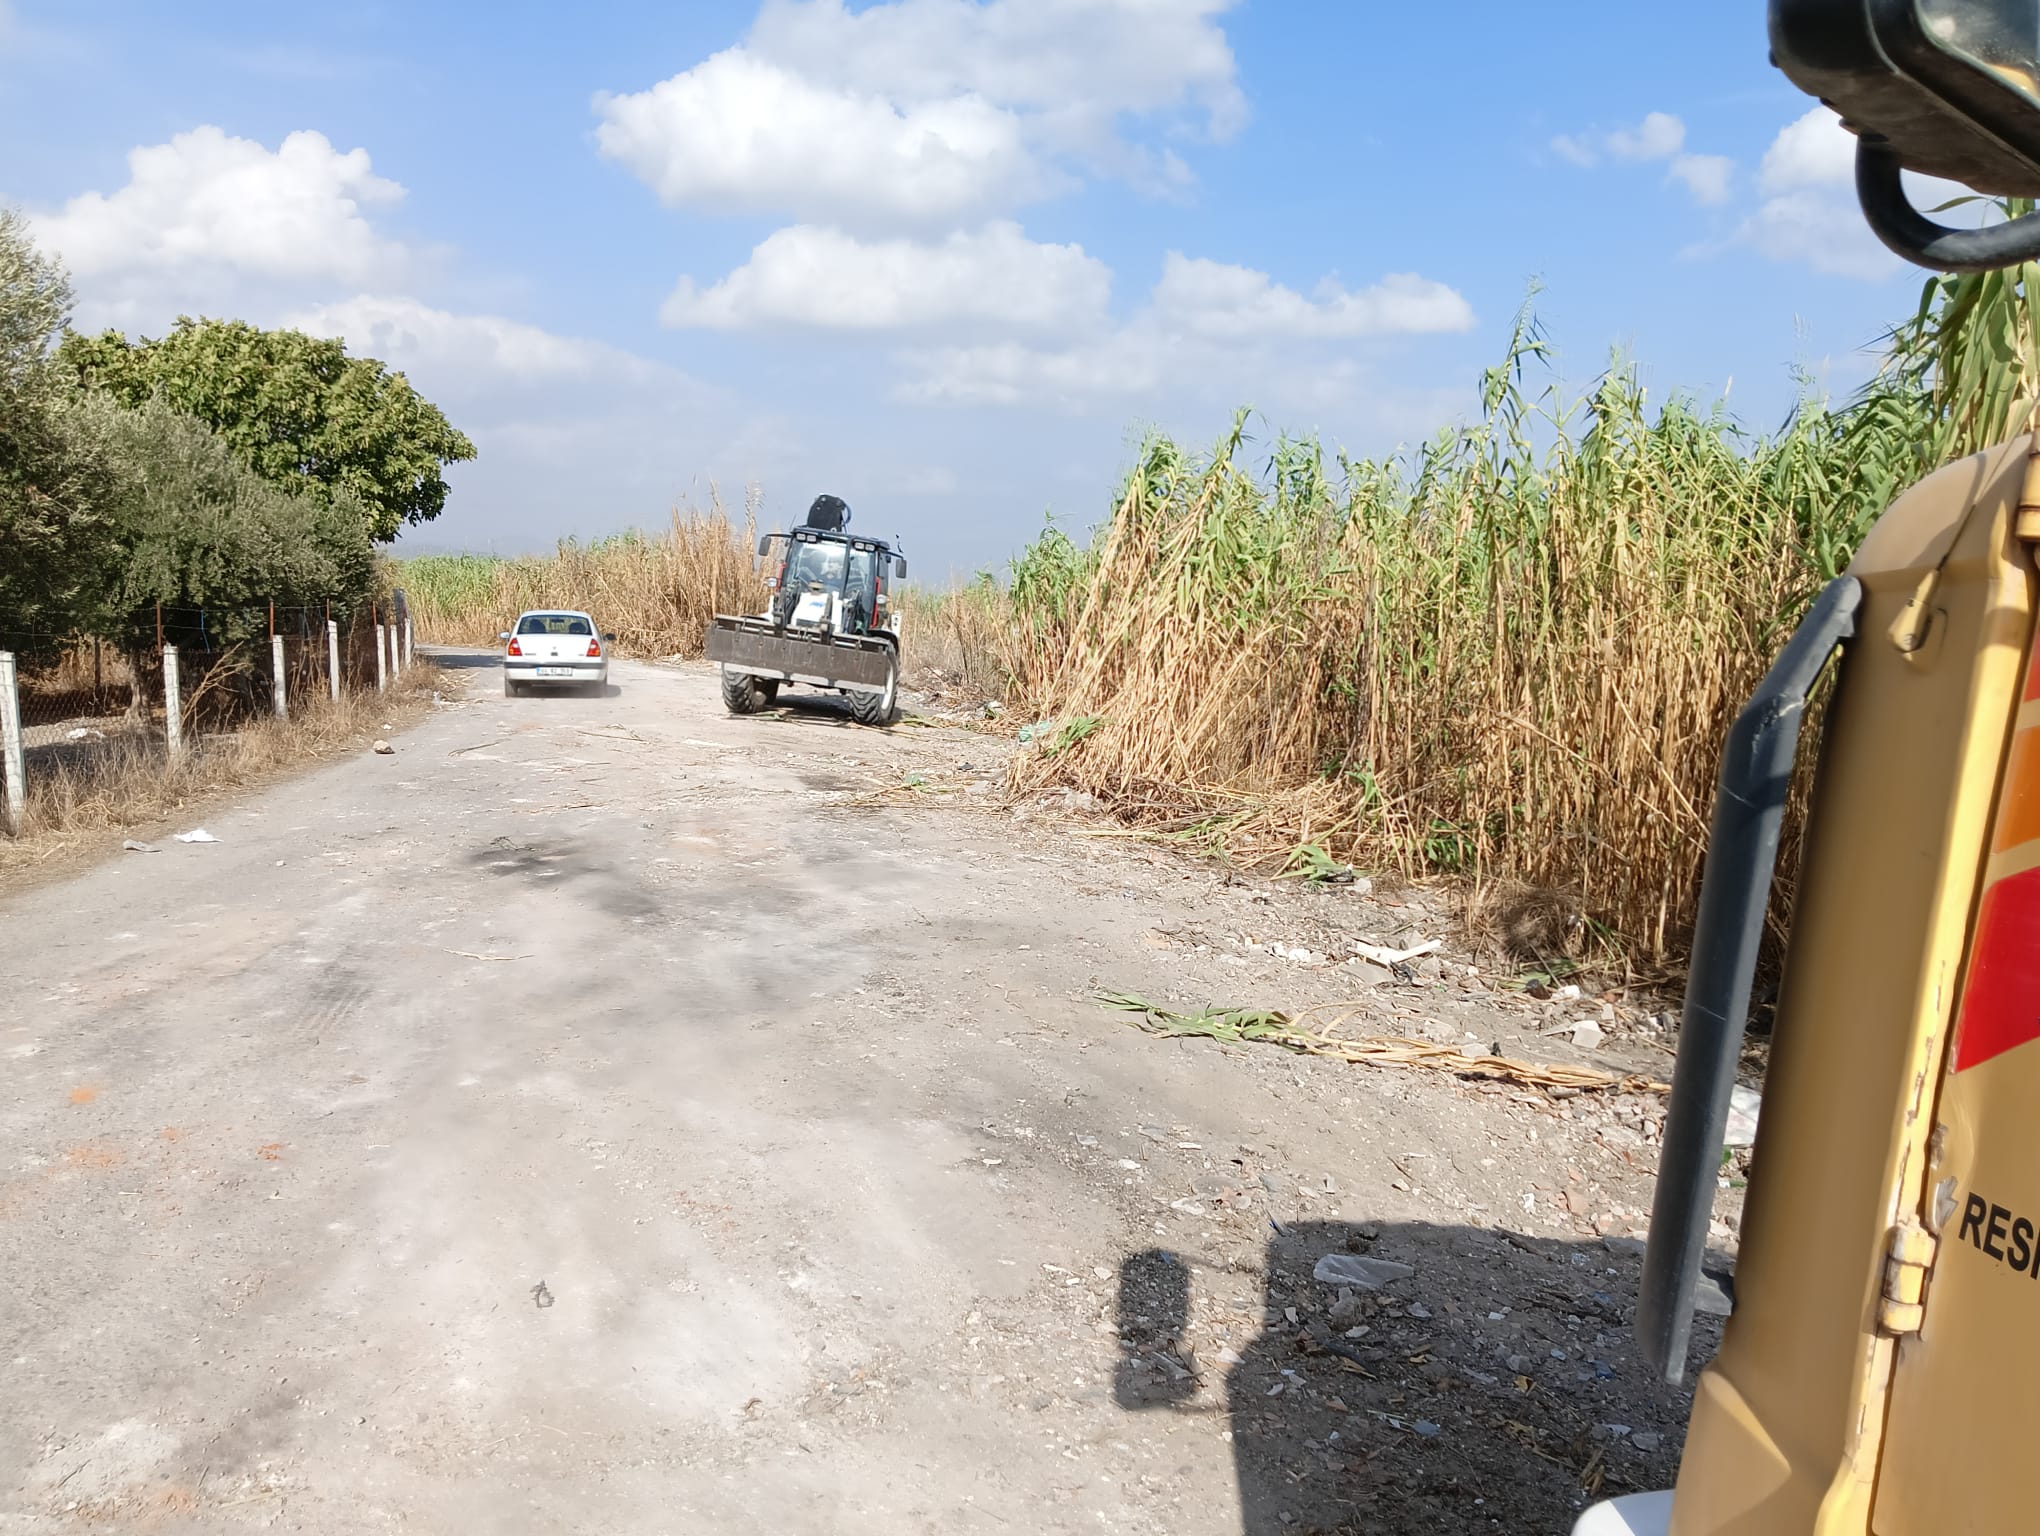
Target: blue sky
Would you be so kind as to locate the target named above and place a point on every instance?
(946, 258)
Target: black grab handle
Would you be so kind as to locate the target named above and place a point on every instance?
(1742, 857)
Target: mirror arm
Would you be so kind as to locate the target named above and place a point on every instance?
(1911, 234)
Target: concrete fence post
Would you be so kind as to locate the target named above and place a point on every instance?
(276, 688)
(333, 659)
(382, 677)
(173, 703)
(10, 744)
(410, 649)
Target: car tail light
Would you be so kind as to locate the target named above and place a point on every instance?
(515, 649)
(594, 647)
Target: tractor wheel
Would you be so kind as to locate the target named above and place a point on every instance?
(742, 693)
(879, 709)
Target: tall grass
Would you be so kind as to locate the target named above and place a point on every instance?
(657, 592)
(1513, 654)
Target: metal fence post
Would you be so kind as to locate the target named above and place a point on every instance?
(173, 703)
(276, 688)
(333, 659)
(382, 679)
(10, 745)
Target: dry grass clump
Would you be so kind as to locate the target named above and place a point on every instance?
(1512, 658)
(964, 639)
(79, 793)
(657, 592)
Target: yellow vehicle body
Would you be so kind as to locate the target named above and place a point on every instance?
(1881, 1371)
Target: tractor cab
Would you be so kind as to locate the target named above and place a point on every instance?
(829, 581)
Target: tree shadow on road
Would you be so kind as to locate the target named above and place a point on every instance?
(1495, 1387)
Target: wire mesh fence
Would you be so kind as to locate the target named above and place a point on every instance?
(155, 689)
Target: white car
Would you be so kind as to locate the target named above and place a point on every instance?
(554, 648)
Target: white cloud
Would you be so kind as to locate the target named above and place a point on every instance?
(1076, 61)
(921, 114)
(1658, 137)
(822, 278)
(416, 337)
(1123, 365)
(738, 134)
(207, 204)
(1809, 214)
(1709, 178)
(1207, 323)
(1810, 151)
(1221, 302)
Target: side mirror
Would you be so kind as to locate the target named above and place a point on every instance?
(504, 635)
(609, 639)
(764, 545)
(899, 568)
(1944, 87)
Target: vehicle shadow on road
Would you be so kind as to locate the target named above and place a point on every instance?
(1495, 1384)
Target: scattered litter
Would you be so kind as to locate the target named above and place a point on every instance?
(1426, 1428)
(196, 835)
(131, 846)
(1270, 1027)
(1419, 1311)
(1566, 994)
(384, 749)
(1358, 1270)
(1646, 1440)
(1041, 730)
(467, 954)
(1587, 1035)
(1744, 1106)
(84, 733)
(1187, 1207)
(1394, 957)
(540, 1296)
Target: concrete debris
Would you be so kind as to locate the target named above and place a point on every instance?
(1744, 1106)
(1587, 1035)
(384, 749)
(1392, 957)
(1358, 1270)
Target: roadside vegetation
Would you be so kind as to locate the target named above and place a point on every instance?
(204, 490)
(208, 473)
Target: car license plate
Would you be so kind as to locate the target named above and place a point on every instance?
(555, 671)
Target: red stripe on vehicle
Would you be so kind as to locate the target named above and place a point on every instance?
(2001, 1003)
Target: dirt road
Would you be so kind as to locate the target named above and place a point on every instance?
(607, 1115)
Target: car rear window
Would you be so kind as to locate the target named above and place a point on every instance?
(554, 624)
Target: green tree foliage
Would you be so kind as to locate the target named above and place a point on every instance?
(203, 534)
(297, 408)
(53, 480)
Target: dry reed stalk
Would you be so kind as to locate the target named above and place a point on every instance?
(657, 592)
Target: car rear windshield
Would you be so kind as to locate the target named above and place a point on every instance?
(554, 624)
